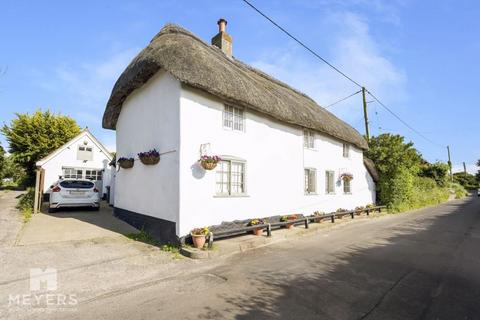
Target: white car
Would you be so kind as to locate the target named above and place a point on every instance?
(73, 193)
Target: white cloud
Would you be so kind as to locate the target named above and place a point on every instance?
(351, 48)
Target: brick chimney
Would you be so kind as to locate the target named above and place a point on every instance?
(223, 40)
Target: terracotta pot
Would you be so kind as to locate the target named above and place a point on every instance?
(208, 165)
(198, 240)
(317, 219)
(258, 231)
(126, 164)
(149, 160)
(289, 226)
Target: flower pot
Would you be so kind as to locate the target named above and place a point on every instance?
(317, 219)
(258, 231)
(149, 160)
(198, 240)
(289, 225)
(126, 164)
(208, 165)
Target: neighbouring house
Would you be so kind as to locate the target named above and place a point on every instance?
(83, 157)
(281, 152)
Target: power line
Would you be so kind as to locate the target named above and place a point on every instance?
(402, 121)
(340, 72)
(343, 99)
(301, 43)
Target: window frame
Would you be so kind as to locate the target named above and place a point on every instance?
(84, 150)
(230, 185)
(346, 150)
(234, 118)
(349, 187)
(329, 173)
(308, 139)
(307, 179)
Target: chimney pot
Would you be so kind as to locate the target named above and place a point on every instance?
(222, 23)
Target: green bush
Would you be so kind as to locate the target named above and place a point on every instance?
(25, 204)
(458, 190)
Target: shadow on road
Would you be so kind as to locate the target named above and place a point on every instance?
(426, 268)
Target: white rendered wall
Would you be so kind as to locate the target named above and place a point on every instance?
(150, 119)
(275, 162)
(68, 158)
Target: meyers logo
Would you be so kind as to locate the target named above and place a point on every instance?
(43, 292)
(43, 279)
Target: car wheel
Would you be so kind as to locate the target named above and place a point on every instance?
(52, 210)
(96, 208)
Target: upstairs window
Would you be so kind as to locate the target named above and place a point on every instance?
(308, 139)
(230, 178)
(233, 118)
(85, 153)
(310, 186)
(346, 150)
(329, 182)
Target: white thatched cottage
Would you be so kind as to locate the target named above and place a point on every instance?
(282, 153)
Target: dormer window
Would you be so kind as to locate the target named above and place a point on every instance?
(85, 153)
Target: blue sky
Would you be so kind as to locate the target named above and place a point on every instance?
(418, 57)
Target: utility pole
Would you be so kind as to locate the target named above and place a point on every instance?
(365, 114)
(464, 169)
(450, 163)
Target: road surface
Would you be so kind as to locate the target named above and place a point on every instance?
(418, 265)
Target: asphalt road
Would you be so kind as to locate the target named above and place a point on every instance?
(419, 265)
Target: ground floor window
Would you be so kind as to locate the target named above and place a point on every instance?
(329, 181)
(72, 173)
(230, 177)
(93, 174)
(346, 186)
(81, 173)
(310, 178)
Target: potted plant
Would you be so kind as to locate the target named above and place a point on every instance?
(341, 210)
(209, 162)
(346, 176)
(149, 157)
(318, 215)
(359, 210)
(289, 218)
(256, 222)
(199, 236)
(125, 163)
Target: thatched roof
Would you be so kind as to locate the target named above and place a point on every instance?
(370, 165)
(205, 67)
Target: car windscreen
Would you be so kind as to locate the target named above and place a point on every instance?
(75, 184)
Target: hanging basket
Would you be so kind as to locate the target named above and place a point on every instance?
(126, 163)
(208, 165)
(346, 177)
(150, 160)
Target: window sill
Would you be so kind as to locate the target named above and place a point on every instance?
(330, 193)
(311, 149)
(347, 193)
(231, 196)
(311, 194)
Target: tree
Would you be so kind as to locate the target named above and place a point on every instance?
(437, 171)
(398, 163)
(468, 181)
(33, 136)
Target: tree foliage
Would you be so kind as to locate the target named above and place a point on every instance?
(2, 163)
(406, 180)
(468, 181)
(33, 136)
